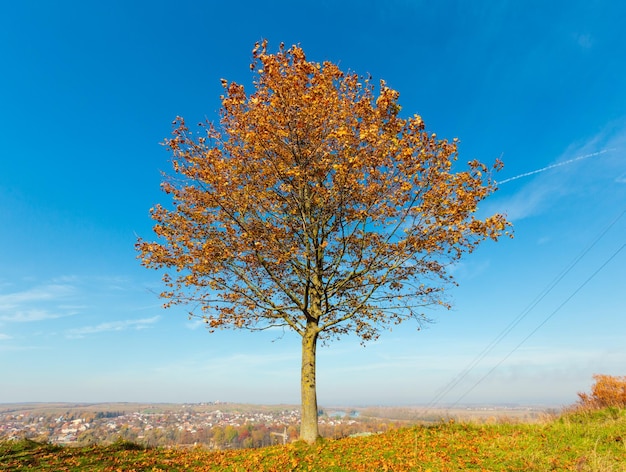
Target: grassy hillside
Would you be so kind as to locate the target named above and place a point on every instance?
(583, 441)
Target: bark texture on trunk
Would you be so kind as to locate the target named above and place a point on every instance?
(309, 431)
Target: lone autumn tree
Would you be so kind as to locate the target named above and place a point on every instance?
(313, 205)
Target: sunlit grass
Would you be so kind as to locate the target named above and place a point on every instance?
(577, 441)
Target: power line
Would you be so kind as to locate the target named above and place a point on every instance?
(540, 325)
(459, 377)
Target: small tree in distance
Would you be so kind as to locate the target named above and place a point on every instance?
(606, 391)
(313, 205)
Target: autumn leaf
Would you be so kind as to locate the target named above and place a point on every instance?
(314, 205)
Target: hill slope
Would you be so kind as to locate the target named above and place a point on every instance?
(591, 441)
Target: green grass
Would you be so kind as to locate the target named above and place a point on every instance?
(582, 441)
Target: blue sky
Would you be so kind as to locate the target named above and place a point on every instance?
(88, 90)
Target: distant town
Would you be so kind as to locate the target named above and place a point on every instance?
(218, 425)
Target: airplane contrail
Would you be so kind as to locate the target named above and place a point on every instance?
(543, 169)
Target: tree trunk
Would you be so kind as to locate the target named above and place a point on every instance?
(309, 431)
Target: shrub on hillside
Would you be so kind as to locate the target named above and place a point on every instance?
(607, 391)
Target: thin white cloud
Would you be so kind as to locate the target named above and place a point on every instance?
(194, 324)
(469, 270)
(59, 297)
(121, 325)
(73, 307)
(47, 292)
(4, 337)
(27, 316)
(114, 282)
(39, 303)
(558, 164)
(585, 41)
(66, 279)
(600, 158)
(18, 348)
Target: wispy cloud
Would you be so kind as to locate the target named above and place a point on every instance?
(121, 325)
(47, 292)
(4, 337)
(39, 303)
(195, 323)
(558, 164)
(27, 316)
(62, 296)
(598, 159)
(585, 41)
(469, 270)
(115, 282)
